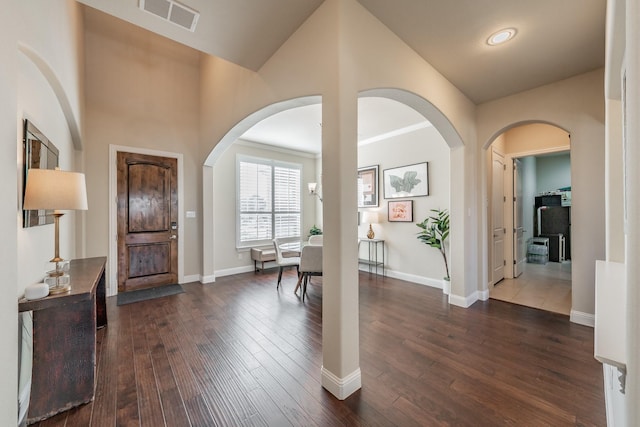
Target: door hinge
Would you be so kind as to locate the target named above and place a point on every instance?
(504, 262)
(514, 262)
(504, 198)
(514, 199)
(504, 231)
(504, 167)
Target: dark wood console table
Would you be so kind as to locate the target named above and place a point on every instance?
(64, 340)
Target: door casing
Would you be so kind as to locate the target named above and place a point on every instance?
(519, 245)
(497, 217)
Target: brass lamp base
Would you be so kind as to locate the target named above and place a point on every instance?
(370, 233)
(59, 289)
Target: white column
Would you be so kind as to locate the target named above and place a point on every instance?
(340, 332)
(208, 272)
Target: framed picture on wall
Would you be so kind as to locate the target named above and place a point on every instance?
(368, 187)
(400, 211)
(406, 181)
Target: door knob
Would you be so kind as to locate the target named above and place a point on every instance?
(173, 237)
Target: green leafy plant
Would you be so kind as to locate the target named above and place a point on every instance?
(314, 231)
(435, 230)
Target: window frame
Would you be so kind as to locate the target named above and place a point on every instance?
(272, 163)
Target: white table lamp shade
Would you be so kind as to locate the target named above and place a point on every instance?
(370, 217)
(55, 189)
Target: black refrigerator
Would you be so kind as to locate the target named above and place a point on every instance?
(554, 222)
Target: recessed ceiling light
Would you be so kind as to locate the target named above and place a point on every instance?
(501, 36)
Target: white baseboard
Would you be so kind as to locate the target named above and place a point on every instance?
(459, 301)
(581, 318)
(341, 388)
(191, 278)
(464, 302)
(413, 278)
(235, 270)
(483, 295)
(208, 279)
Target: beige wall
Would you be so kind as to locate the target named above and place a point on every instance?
(8, 186)
(614, 181)
(406, 257)
(577, 105)
(141, 91)
(40, 79)
(49, 95)
(535, 137)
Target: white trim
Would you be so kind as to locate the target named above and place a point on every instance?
(615, 401)
(341, 388)
(607, 371)
(234, 270)
(208, 279)
(420, 280)
(581, 318)
(191, 278)
(464, 302)
(112, 273)
(558, 149)
(396, 132)
(483, 295)
(289, 151)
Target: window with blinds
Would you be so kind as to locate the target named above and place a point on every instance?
(269, 201)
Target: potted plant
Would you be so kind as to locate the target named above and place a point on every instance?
(314, 231)
(435, 230)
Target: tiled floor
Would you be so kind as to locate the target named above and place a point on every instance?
(547, 287)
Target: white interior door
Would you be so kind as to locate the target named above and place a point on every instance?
(497, 217)
(519, 244)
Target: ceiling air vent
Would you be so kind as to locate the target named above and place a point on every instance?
(172, 11)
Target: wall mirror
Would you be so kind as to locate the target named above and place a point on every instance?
(39, 153)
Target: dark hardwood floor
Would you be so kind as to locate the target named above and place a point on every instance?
(239, 353)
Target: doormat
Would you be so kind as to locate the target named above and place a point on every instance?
(150, 293)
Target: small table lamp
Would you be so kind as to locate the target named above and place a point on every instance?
(57, 190)
(369, 217)
(313, 190)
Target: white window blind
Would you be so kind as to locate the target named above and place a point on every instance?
(269, 201)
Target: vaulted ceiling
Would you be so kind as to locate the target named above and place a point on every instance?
(555, 39)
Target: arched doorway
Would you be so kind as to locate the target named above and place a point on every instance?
(416, 103)
(529, 174)
(339, 219)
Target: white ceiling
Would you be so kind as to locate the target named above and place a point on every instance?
(300, 128)
(556, 39)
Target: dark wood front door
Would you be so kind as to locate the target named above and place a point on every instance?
(147, 221)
